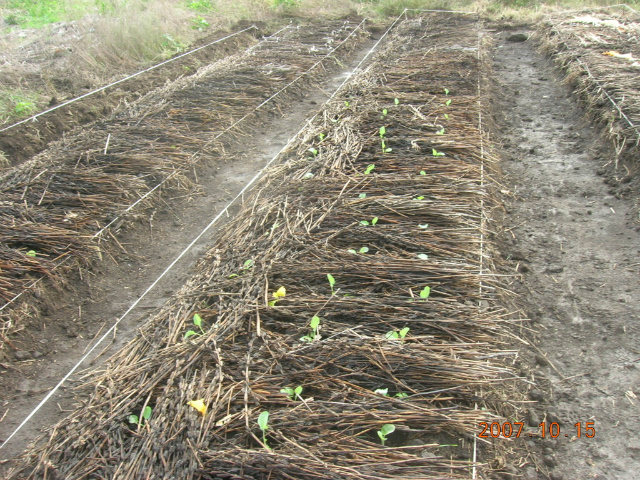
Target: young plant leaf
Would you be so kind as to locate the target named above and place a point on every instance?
(401, 395)
(423, 256)
(382, 391)
(425, 292)
(374, 221)
(384, 112)
(363, 250)
(440, 132)
(199, 405)
(403, 333)
(396, 101)
(133, 419)
(383, 132)
(313, 151)
(298, 390)
(422, 172)
(190, 333)
(426, 225)
(332, 282)
(248, 264)
(308, 175)
(446, 115)
(446, 91)
(263, 421)
(32, 253)
(448, 102)
(362, 195)
(351, 250)
(392, 335)
(321, 136)
(388, 429)
(370, 169)
(364, 222)
(315, 321)
(281, 292)
(436, 153)
(197, 320)
(146, 413)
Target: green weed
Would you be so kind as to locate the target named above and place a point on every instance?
(384, 431)
(398, 334)
(146, 415)
(263, 423)
(424, 293)
(370, 169)
(197, 321)
(315, 328)
(293, 393)
(332, 282)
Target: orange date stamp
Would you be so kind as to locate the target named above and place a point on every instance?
(544, 430)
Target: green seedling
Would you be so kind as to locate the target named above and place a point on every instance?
(146, 415)
(382, 132)
(367, 223)
(448, 102)
(396, 101)
(247, 265)
(419, 198)
(382, 391)
(362, 195)
(347, 104)
(423, 226)
(446, 116)
(385, 112)
(362, 250)
(332, 282)
(384, 147)
(401, 395)
(436, 153)
(197, 321)
(425, 292)
(423, 256)
(370, 169)
(293, 393)
(263, 423)
(277, 295)
(398, 334)
(446, 91)
(24, 108)
(314, 152)
(308, 175)
(385, 430)
(321, 136)
(315, 329)
(440, 132)
(422, 172)
(32, 253)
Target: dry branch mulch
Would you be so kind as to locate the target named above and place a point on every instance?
(585, 44)
(298, 226)
(54, 206)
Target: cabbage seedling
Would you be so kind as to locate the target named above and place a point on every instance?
(436, 153)
(362, 195)
(396, 101)
(332, 282)
(314, 152)
(362, 250)
(315, 329)
(385, 430)
(370, 169)
(146, 415)
(423, 256)
(197, 321)
(382, 391)
(398, 334)
(446, 91)
(321, 136)
(366, 223)
(31, 253)
(401, 395)
(425, 292)
(263, 423)
(293, 393)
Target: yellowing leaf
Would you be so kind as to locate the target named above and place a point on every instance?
(281, 292)
(198, 405)
(613, 53)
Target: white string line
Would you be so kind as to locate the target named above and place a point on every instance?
(142, 198)
(34, 117)
(173, 263)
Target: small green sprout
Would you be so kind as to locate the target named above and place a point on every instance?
(374, 220)
(423, 226)
(370, 169)
(382, 391)
(308, 175)
(436, 153)
(425, 292)
(314, 152)
(401, 395)
(446, 116)
(446, 91)
(315, 329)
(382, 132)
(263, 423)
(321, 136)
(362, 250)
(367, 223)
(384, 147)
(385, 112)
(419, 198)
(398, 334)
(440, 132)
(146, 415)
(423, 256)
(332, 282)
(32, 253)
(248, 264)
(362, 195)
(422, 172)
(347, 104)
(448, 102)
(396, 101)
(293, 393)
(197, 321)
(385, 430)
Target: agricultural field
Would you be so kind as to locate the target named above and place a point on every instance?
(375, 244)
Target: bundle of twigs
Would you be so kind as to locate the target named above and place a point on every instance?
(354, 345)
(600, 53)
(55, 206)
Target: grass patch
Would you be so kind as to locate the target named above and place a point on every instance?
(17, 104)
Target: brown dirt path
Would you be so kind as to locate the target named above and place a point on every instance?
(573, 248)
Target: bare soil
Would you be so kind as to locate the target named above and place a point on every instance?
(567, 240)
(571, 243)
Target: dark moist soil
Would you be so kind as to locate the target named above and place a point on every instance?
(571, 244)
(46, 350)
